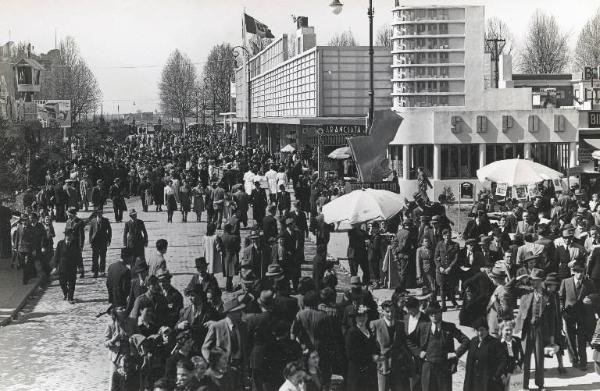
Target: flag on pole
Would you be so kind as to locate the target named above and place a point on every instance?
(253, 26)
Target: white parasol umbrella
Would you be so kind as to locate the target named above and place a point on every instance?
(596, 154)
(516, 172)
(340, 153)
(288, 148)
(363, 205)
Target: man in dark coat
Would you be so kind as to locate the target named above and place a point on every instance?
(241, 201)
(66, 258)
(413, 318)
(116, 194)
(139, 273)
(173, 296)
(285, 307)
(29, 241)
(258, 199)
(357, 252)
(393, 351)
(98, 195)
(135, 236)
(433, 342)
(154, 300)
(593, 268)
(203, 279)
(577, 313)
(259, 327)
(535, 323)
(118, 281)
(486, 361)
(269, 223)
(100, 237)
(446, 257)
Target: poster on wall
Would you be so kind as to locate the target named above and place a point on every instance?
(520, 192)
(467, 191)
(501, 189)
(557, 184)
(533, 191)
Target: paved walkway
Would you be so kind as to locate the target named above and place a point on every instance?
(13, 294)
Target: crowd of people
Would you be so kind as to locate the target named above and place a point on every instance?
(534, 272)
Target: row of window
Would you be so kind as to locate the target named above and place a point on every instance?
(461, 161)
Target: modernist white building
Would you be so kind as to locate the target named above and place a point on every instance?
(453, 121)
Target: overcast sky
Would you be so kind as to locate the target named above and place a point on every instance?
(113, 34)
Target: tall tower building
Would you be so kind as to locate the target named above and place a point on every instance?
(438, 55)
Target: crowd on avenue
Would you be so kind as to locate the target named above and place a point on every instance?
(527, 279)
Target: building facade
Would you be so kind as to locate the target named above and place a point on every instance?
(314, 89)
(453, 122)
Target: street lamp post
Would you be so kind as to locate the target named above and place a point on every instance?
(336, 8)
(236, 53)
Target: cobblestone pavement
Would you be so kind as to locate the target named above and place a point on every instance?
(54, 345)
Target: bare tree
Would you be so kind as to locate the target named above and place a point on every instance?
(384, 36)
(496, 28)
(345, 38)
(217, 75)
(177, 88)
(546, 48)
(587, 50)
(71, 79)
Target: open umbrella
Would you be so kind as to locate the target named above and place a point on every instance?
(340, 153)
(288, 148)
(363, 205)
(516, 172)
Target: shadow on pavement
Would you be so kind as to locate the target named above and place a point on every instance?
(592, 386)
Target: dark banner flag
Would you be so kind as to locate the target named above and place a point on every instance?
(253, 26)
(370, 151)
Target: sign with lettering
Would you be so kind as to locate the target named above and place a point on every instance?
(344, 129)
(594, 119)
(590, 73)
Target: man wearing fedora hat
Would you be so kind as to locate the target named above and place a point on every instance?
(577, 312)
(66, 258)
(433, 342)
(230, 335)
(566, 250)
(135, 236)
(173, 296)
(535, 322)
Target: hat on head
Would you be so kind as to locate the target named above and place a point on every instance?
(355, 281)
(248, 276)
(485, 240)
(163, 274)
(424, 293)
(140, 266)
(72, 210)
(471, 241)
(132, 212)
(435, 219)
(194, 290)
(577, 264)
(530, 257)
(433, 308)
(446, 231)
(498, 272)
(552, 279)
(201, 263)
(233, 305)
(274, 270)
(266, 298)
(536, 274)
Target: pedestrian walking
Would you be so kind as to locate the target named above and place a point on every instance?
(100, 237)
(135, 236)
(66, 258)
